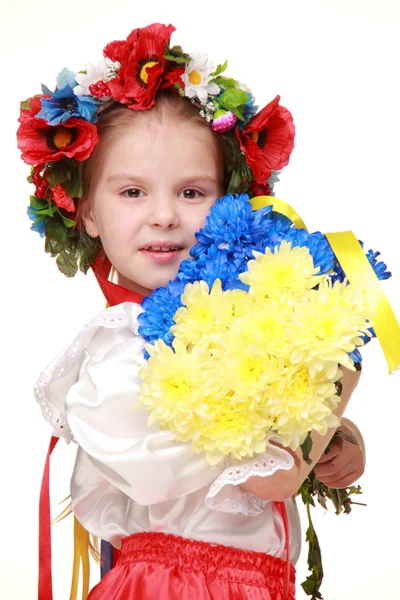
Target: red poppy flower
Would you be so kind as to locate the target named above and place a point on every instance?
(61, 199)
(173, 76)
(258, 189)
(267, 140)
(39, 142)
(142, 65)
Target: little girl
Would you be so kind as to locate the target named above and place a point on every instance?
(154, 136)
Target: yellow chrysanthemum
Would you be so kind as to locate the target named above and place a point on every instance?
(248, 365)
(231, 427)
(299, 402)
(174, 383)
(206, 314)
(267, 324)
(328, 324)
(285, 270)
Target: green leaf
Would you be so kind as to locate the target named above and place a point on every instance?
(56, 230)
(38, 203)
(313, 582)
(67, 222)
(59, 172)
(53, 247)
(89, 249)
(25, 104)
(220, 69)
(306, 447)
(73, 187)
(238, 112)
(177, 59)
(67, 262)
(225, 81)
(231, 98)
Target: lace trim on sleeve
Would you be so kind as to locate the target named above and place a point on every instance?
(225, 496)
(53, 384)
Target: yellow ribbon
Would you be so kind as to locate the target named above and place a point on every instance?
(81, 561)
(280, 206)
(360, 274)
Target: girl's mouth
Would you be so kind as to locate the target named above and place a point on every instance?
(161, 254)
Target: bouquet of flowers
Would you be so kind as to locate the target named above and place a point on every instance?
(246, 342)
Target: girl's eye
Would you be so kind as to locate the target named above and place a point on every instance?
(133, 193)
(190, 194)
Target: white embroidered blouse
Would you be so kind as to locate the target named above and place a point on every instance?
(130, 477)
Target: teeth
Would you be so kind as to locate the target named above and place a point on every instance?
(163, 249)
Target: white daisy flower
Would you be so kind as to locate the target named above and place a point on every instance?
(197, 78)
(105, 70)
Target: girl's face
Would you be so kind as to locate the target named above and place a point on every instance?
(157, 184)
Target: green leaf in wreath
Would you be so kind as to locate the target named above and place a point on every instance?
(232, 98)
(226, 82)
(38, 203)
(88, 251)
(67, 262)
(220, 69)
(56, 230)
(67, 222)
(53, 247)
(25, 104)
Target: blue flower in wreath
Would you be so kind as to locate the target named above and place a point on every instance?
(38, 224)
(63, 104)
(159, 308)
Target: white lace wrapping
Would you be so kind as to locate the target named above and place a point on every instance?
(223, 496)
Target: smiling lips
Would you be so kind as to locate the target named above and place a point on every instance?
(161, 252)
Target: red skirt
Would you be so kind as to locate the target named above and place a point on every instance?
(159, 566)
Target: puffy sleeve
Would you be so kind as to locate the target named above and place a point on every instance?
(89, 394)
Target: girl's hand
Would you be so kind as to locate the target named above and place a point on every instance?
(345, 462)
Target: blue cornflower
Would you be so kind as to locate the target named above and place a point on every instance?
(39, 225)
(278, 230)
(250, 109)
(217, 264)
(356, 355)
(159, 309)
(64, 104)
(317, 244)
(379, 267)
(229, 226)
(188, 271)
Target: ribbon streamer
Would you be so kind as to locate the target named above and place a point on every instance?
(360, 273)
(81, 561)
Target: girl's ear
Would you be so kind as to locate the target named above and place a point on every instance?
(88, 219)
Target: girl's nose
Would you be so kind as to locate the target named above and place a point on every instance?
(163, 212)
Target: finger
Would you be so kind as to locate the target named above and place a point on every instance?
(343, 482)
(334, 450)
(333, 469)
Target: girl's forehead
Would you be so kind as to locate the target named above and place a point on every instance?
(170, 143)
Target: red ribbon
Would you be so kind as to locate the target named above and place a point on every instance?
(114, 294)
(45, 587)
(286, 583)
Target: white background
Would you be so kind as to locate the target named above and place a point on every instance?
(336, 66)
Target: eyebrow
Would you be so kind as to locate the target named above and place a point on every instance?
(187, 179)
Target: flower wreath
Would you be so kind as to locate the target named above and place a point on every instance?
(58, 130)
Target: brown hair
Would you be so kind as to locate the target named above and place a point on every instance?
(117, 116)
